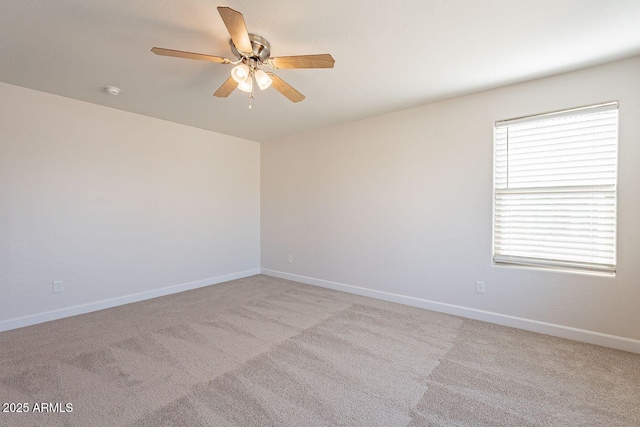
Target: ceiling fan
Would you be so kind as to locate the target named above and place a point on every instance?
(252, 51)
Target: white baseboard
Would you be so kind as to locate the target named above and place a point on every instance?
(20, 322)
(591, 337)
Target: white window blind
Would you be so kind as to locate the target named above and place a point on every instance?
(555, 189)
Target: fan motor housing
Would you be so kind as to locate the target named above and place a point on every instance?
(261, 48)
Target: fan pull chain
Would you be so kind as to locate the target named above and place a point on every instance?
(251, 97)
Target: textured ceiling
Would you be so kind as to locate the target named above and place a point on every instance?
(388, 56)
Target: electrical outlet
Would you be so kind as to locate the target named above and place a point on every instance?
(290, 259)
(58, 286)
(480, 287)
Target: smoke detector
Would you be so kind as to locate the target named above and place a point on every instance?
(112, 90)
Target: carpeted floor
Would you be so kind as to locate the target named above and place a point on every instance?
(263, 351)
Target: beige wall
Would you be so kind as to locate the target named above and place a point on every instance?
(124, 207)
(402, 203)
(116, 205)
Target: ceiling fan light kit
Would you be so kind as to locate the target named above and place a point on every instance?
(252, 51)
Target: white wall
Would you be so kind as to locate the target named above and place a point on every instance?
(402, 203)
(117, 205)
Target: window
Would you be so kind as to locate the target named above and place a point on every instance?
(555, 189)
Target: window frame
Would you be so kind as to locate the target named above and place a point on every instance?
(548, 263)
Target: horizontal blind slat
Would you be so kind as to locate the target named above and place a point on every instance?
(521, 260)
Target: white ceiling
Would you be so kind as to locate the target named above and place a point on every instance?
(388, 56)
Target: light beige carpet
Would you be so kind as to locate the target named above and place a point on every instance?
(263, 351)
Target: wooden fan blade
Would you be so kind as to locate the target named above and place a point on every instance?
(285, 88)
(226, 88)
(189, 55)
(303, 61)
(237, 28)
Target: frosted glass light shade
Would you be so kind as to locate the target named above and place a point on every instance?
(263, 79)
(246, 86)
(240, 73)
